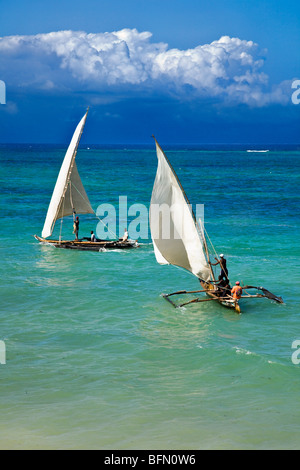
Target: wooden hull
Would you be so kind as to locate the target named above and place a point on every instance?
(230, 303)
(85, 245)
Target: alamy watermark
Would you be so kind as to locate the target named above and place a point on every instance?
(2, 352)
(296, 94)
(167, 222)
(2, 92)
(296, 353)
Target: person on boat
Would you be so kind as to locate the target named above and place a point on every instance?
(125, 236)
(93, 238)
(222, 262)
(237, 291)
(76, 226)
(222, 287)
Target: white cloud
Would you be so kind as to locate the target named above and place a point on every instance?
(127, 60)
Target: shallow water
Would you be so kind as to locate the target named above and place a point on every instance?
(97, 359)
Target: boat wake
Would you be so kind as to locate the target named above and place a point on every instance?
(257, 151)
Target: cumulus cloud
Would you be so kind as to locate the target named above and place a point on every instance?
(230, 69)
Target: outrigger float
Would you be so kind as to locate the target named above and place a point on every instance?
(69, 198)
(186, 244)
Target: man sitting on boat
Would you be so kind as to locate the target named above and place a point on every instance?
(237, 291)
(93, 238)
(125, 236)
(223, 287)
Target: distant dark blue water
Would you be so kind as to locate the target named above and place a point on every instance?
(96, 358)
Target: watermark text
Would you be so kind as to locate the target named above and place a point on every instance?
(2, 352)
(2, 92)
(173, 222)
(296, 353)
(296, 94)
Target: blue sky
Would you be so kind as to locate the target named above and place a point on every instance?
(188, 71)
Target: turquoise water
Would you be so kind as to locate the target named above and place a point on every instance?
(97, 359)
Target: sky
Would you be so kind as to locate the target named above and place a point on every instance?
(188, 71)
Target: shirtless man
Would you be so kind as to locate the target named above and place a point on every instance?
(222, 287)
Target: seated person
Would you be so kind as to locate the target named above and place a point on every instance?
(222, 287)
(237, 291)
(125, 236)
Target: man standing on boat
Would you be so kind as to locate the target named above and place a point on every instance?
(222, 262)
(76, 225)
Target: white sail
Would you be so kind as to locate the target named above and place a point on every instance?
(69, 194)
(174, 231)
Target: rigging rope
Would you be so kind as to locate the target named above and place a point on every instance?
(214, 250)
(61, 222)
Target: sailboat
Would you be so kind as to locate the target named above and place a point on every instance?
(181, 240)
(70, 198)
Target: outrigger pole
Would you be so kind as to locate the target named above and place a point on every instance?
(267, 294)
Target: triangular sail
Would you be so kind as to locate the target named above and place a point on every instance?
(75, 198)
(69, 194)
(175, 235)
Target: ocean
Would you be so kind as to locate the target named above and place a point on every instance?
(93, 357)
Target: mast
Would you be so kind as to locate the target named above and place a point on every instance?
(185, 247)
(72, 163)
(70, 170)
(59, 206)
(206, 250)
(201, 231)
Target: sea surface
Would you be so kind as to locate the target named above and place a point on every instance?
(92, 355)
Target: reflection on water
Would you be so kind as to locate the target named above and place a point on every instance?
(55, 266)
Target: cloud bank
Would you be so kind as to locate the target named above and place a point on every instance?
(128, 61)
